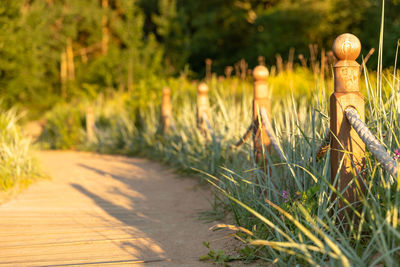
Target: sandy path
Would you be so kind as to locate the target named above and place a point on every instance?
(101, 209)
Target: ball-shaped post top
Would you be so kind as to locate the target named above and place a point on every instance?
(260, 73)
(166, 91)
(202, 88)
(346, 47)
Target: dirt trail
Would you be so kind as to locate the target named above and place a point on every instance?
(102, 209)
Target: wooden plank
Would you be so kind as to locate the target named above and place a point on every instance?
(88, 216)
(61, 238)
(37, 232)
(120, 261)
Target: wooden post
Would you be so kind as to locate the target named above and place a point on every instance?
(203, 106)
(260, 138)
(90, 122)
(346, 144)
(166, 110)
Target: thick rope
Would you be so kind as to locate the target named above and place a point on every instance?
(324, 147)
(372, 142)
(245, 136)
(271, 134)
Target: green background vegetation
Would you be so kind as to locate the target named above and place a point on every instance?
(149, 40)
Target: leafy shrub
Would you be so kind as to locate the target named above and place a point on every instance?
(64, 127)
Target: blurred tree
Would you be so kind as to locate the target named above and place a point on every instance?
(62, 49)
(227, 30)
(26, 42)
(172, 28)
(369, 29)
(220, 30)
(98, 44)
(288, 25)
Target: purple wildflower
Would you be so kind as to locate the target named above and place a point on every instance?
(396, 154)
(285, 195)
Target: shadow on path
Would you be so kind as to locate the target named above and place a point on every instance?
(159, 208)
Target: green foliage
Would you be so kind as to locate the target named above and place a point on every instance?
(18, 168)
(290, 25)
(128, 43)
(217, 256)
(172, 28)
(227, 31)
(308, 199)
(64, 127)
(34, 34)
(221, 257)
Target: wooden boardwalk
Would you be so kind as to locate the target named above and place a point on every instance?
(104, 210)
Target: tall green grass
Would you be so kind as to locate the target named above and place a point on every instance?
(18, 168)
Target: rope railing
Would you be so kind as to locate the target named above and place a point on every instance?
(321, 151)
(372, 143)
(324, 146)
(342, 142)
(245, 136)
(266, 139)
(262, 103)
(271, 134)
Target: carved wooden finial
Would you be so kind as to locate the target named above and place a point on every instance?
(166, 91)
(260, 73)
(202, 88)
(346, 47)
